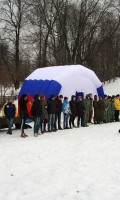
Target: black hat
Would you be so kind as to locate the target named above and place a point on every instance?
(60, 96)
(65, 98)
(52, 96)
(105, 96)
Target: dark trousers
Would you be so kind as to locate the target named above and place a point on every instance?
(65, 120)
(43, 124)
(22, 124)
(71, 120)
(36, 124)
(51, 122)
(90, 115)
(10, 124)
(117, 115)
(58, 120)
(80, 118)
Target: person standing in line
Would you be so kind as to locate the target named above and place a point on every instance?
(96, 110)
(36, 113)
(112, 109)
(117, 107)
(73, 110)
(101, 109)
(66, 112)
(51, 114)
(10, 112)
(86, 111)
(23, 112)
(80, 109)
(44, 114)
(58, 104)
(106, 107)
(109, 109)
(90, 107)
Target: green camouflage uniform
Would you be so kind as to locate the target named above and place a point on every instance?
(106, 107)
(96, 112)
(101, 110)
(112, 111)
(90, 109)
(109, 111)
(86, 112)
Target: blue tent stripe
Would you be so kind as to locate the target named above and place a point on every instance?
(100, 91)
(24, 89)
(37, 86)
(46, 87)
(54, 88)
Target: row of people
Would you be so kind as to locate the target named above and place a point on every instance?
(47, 113)
(105, 110)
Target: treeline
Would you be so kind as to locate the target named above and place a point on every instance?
(43, 33)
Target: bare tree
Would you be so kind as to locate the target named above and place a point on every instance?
(14, 19)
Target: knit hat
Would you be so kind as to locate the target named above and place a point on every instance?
(60, 96)
(52, 96)
(65, 98)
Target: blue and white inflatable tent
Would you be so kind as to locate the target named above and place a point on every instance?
(65, 80)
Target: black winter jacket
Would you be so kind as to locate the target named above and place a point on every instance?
(44, 114)
(36, 109)
(9, 110)
(23, 108)
(80, 106)
(51, 107)
(58, 104)
(73, 107)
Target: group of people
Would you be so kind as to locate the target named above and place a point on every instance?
(46, 113)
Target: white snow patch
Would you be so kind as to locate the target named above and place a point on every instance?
(77, 164)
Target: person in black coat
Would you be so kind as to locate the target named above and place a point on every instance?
(23, 112)
(96, 110)
(9, 111)
(36, 113)
(58, 104)
(80, 110)
(44, 114)
(51, 113)
(73, 109)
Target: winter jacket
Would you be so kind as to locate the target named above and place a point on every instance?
(36, 108)
(51, 106)
(3, 113)
(9, 110)
(80, 106)
(44, 113)
(66, 107)
(23, 108)
(73, 107)
(101, 105)
(58, 104)
(96, 105)
(117, 104)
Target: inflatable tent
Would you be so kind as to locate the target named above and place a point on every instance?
(65, 80)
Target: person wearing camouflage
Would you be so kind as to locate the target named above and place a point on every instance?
(106, 107)
(86, 111)
(101, 109)
(96, 110)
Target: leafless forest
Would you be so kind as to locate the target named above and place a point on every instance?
(40, 33)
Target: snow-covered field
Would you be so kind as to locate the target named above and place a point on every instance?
(76, 164)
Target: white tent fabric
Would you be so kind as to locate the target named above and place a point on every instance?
(72, 78)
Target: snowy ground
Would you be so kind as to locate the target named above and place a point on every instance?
(77, 164)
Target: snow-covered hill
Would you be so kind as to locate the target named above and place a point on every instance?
(77, 164)
(112, 88)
